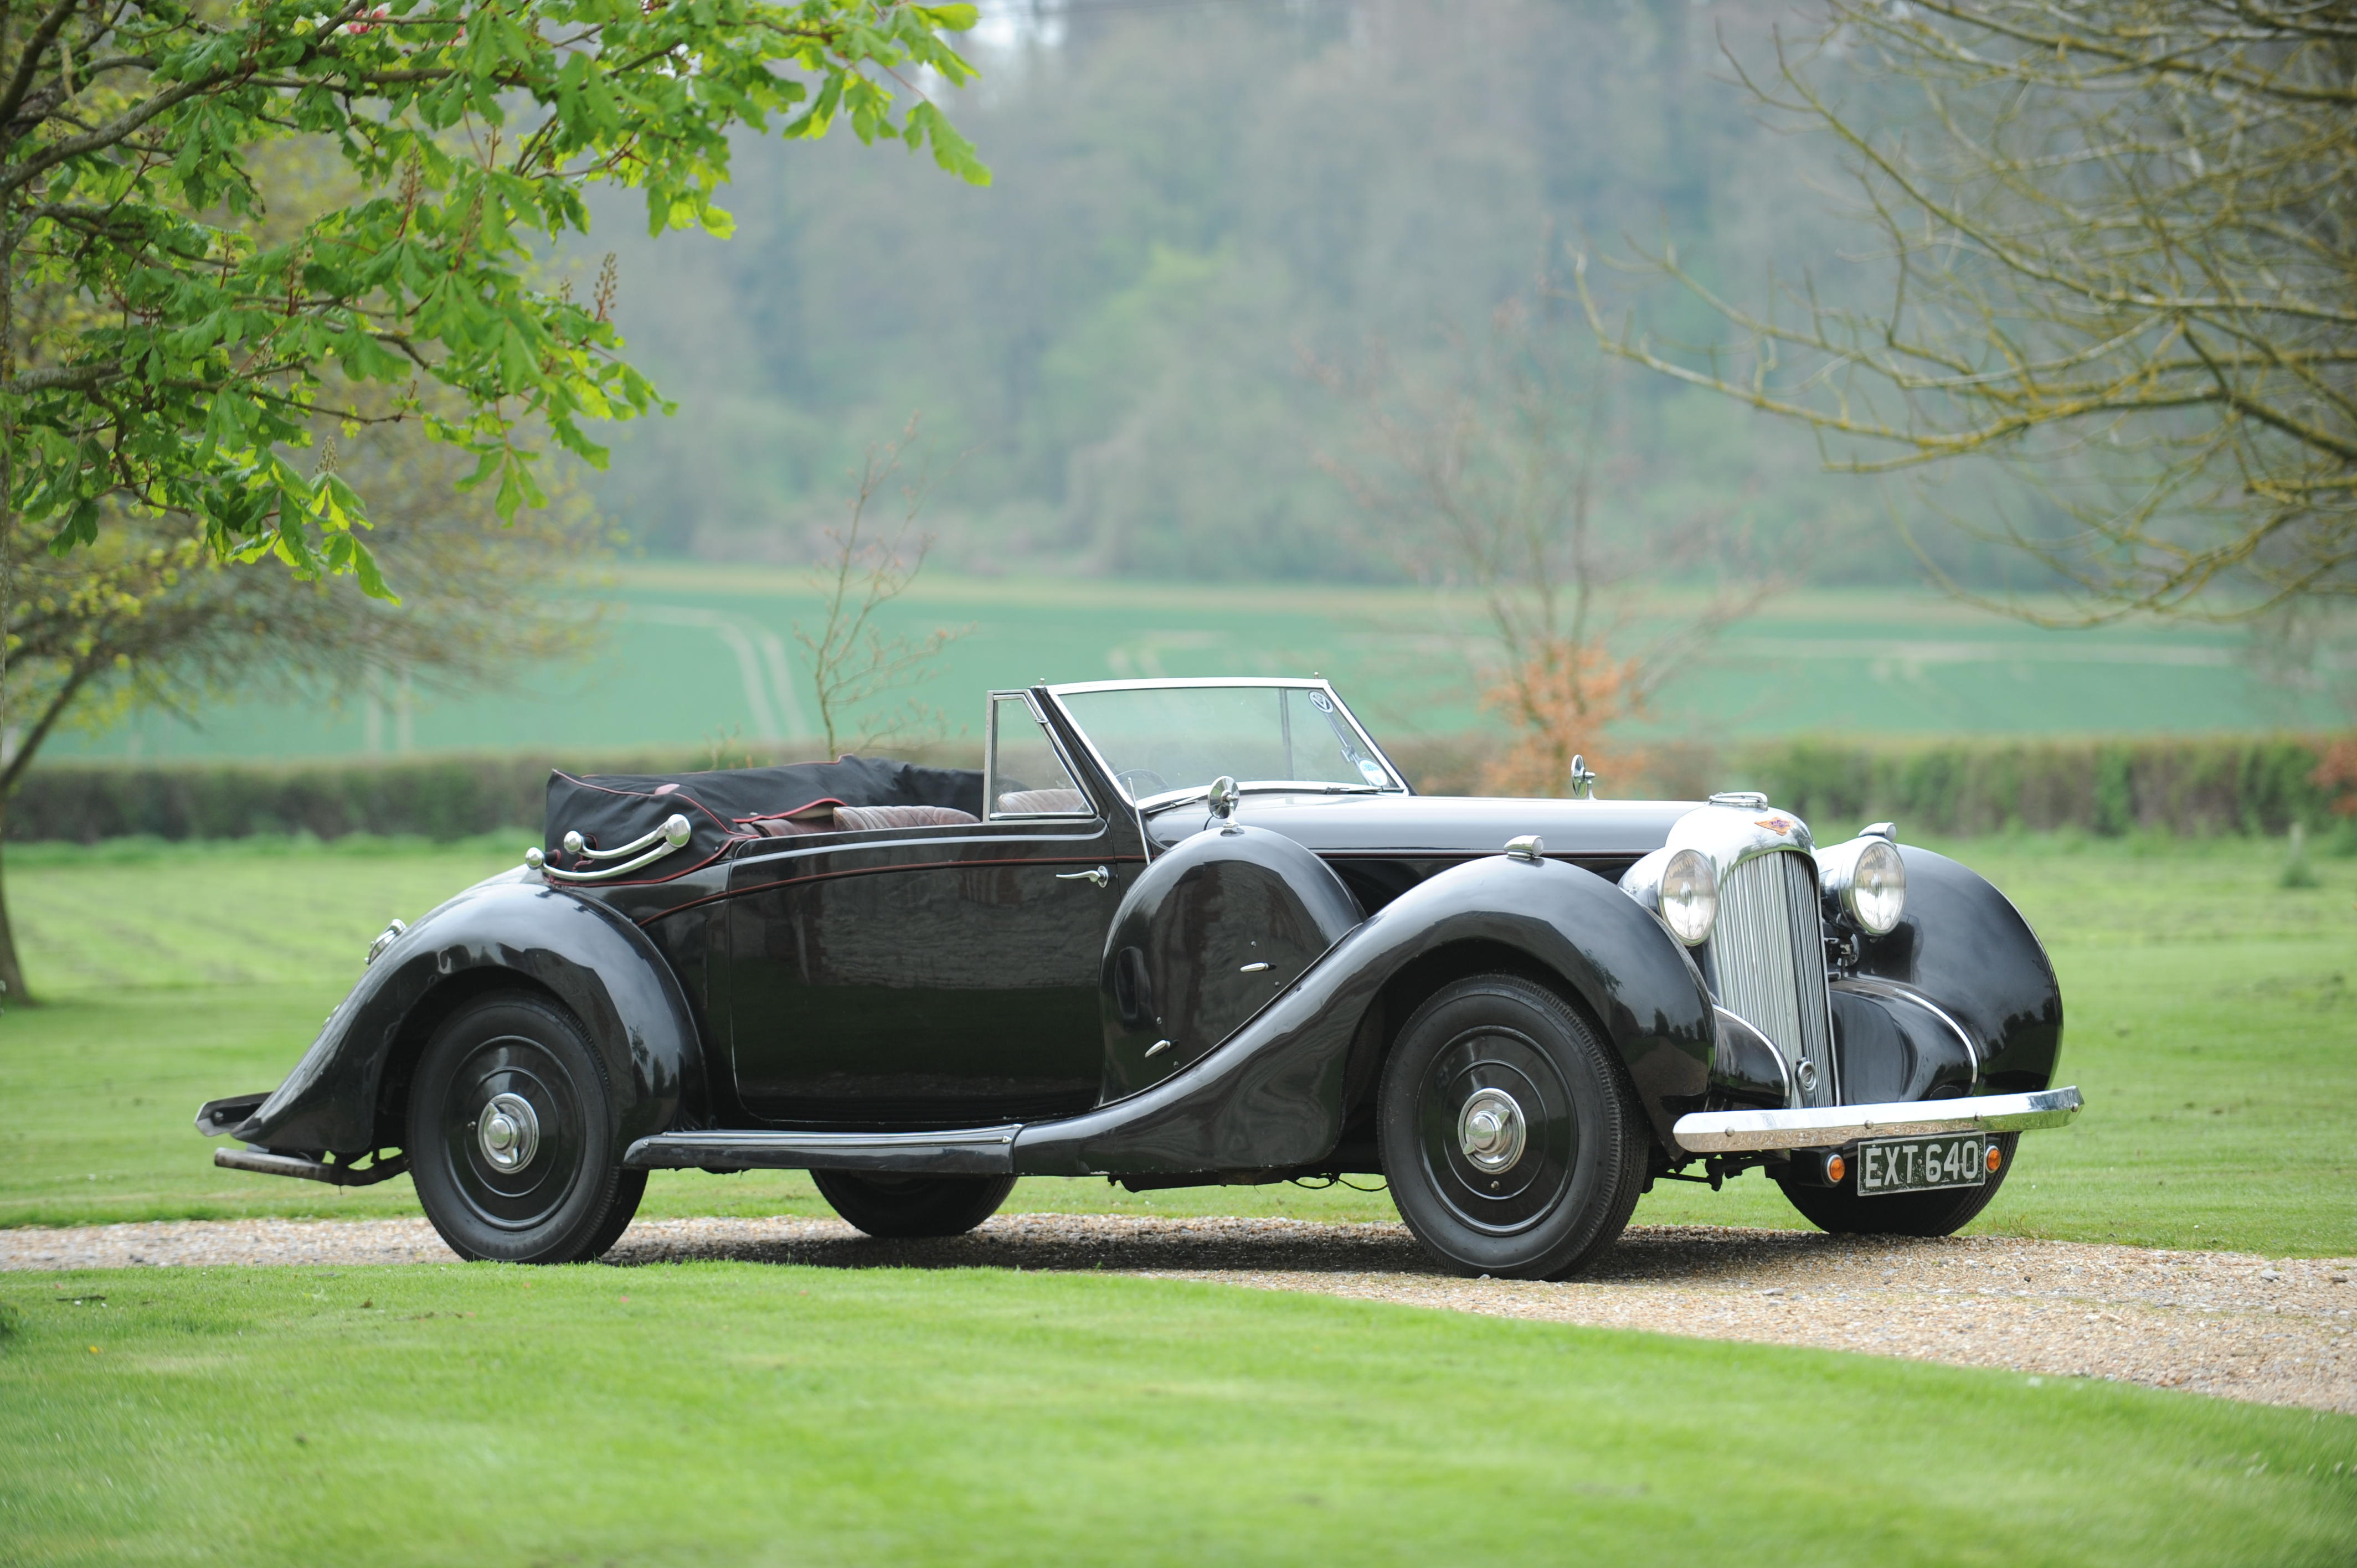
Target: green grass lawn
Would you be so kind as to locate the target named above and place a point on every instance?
(733, 1413)
(2211, 1025)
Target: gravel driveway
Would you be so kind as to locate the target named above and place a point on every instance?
(2218, 1323)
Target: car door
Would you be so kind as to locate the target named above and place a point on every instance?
(936, 976)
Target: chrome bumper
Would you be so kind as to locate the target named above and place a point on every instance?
(1827, 1126)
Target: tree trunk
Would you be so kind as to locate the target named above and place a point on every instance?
(12, 973)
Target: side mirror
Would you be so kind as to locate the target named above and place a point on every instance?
(1223, 797)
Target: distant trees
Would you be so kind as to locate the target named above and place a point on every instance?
(2118, 243)
(1185, 198)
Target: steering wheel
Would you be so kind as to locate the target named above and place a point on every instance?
(1154, 783)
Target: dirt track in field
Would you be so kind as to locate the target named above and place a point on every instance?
(2228, 1323)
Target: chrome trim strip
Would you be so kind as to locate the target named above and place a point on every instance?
(1875, 985)
(971, 1151)
(1161, 682)
(1829, 1126)
(1783, 1068)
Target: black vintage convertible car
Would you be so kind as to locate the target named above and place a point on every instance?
(1177, 933)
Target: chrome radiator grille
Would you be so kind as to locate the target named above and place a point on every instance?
(1767, 955)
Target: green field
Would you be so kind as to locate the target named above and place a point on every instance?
(2210, 1022)
(700, 653)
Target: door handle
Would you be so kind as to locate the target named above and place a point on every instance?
(1097, 874)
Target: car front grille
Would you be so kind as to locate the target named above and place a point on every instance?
(1767, 955)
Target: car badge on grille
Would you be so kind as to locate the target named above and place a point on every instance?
(1777, 825)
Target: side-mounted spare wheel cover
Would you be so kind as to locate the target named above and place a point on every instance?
(1214, 930)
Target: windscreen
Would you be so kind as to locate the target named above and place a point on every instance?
(1165, 738)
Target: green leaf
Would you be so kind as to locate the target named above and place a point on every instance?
(220, 345)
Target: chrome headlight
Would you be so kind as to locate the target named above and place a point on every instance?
(1679, 885)
(1867, 879)
(1689, 896)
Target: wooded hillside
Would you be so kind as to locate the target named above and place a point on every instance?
(1195, 207)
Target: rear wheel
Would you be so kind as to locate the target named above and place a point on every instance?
(1510, 1137)
(1842, 1212)
(902, 1207)
(511, 1136)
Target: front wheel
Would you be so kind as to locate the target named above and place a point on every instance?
(511, 1136)
(1511, 1139)
(1841, 1211)
(900, 1208)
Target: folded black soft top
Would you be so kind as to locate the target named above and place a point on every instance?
(610, 809)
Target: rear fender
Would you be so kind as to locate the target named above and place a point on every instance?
(509, 930)
(1270, 1094)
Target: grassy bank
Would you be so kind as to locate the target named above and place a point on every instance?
(2209, 1016)
(738, 1413)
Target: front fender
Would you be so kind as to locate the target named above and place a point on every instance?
(593, 961)
(1961, 944)
(1270, 1094)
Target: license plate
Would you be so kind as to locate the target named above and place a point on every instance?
(1921, 1164)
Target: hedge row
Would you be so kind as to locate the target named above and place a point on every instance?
(2198, 785)
(2208, 785)
(2194, 786)
(443, 797)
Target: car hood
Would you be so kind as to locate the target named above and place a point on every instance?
(1442, 824)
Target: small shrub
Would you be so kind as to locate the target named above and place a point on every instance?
(2296, 872)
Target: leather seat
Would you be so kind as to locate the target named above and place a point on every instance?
(1043, 803)
(834, 817)
(851, 818)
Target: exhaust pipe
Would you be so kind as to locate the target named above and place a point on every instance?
(269, 1164)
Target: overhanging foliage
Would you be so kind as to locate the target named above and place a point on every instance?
(156, 350)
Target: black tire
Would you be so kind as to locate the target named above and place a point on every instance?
(565, 1199)
(899, 1207)
(1840, 1209)
(1565, 1190)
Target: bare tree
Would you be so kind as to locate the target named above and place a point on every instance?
(1491, 478)
(853, 664)
(2120, 251)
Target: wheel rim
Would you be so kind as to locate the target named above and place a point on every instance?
(1496, 1130)
(511, 1133)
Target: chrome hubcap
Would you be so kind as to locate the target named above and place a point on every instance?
(509, 1131)
(1490, 1130)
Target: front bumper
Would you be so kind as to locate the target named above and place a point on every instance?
(1830, 1126)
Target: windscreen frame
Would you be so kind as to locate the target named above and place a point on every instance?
(1057, 693)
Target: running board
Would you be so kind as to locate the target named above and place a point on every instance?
(962, 1151)
(1830, 1126)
